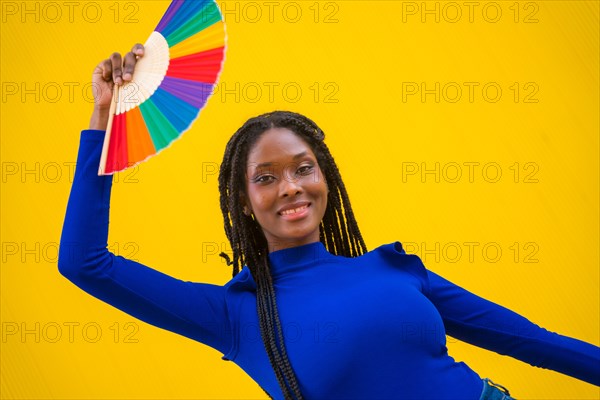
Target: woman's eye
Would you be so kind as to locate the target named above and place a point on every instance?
(305, 170)
(263, 179)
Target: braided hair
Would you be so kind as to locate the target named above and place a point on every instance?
(338, 229)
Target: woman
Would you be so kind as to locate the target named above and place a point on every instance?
(311, 314)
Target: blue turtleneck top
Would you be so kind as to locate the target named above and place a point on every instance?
(371, 327)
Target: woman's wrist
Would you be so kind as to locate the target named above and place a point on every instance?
(99, 119)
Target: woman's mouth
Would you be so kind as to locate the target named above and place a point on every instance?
(295, 213)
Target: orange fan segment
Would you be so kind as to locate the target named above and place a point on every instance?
(140, 144)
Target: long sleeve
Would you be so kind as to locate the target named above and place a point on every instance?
(194, 310)
(483, 323)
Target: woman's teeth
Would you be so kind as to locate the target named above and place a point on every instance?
(295, 210)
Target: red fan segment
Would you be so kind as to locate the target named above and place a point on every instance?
(201, 67)
(117, 149)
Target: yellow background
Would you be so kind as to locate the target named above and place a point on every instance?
(360, 54)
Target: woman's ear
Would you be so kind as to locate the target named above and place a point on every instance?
(247, 210)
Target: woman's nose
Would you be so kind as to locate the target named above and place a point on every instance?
(289, 185)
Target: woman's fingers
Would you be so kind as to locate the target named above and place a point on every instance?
(122, 69)
(106, 70)
(138, 49)
(128, 66)
(117, 69)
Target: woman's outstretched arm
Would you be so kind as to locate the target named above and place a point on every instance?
(483, 323)
(195, 310)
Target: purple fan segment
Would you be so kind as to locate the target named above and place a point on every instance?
(171, 11)
(194, 93)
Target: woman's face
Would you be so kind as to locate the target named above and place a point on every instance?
(285, 188)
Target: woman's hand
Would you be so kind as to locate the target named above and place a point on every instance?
(116, 70)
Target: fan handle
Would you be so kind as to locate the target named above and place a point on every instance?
(113, 108)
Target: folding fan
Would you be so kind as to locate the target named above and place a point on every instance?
(171, 83)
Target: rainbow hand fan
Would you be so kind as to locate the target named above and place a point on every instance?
(171, 83)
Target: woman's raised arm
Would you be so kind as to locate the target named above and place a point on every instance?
(195, 310)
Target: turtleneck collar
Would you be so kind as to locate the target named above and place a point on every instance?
(292, 260)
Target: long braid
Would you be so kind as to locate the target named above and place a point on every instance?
(338, 230)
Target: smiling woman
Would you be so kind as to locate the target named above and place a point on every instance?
(336, 320)
(272, 168)
(285, 189)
